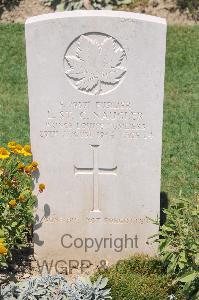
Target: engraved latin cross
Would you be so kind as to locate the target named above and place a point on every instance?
(95, 171)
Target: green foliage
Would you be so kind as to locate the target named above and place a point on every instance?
(14, 121)
(8, 4)
(86, 4)
(55, 287)
(190, 4)
(16, 198)
(180, 126)
(179, 243)
(141, 278)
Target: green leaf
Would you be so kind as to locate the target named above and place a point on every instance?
(183, 257)
(164, 227)
(124, 2)
(163, 244)
(4, 264)
(172, 265)
(181, 265)
(14, 224)
(103, 283)
(1, 233)
(188, 277)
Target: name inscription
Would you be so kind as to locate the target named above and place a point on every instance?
(96, 119)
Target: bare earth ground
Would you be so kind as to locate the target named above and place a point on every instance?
(168, 9)
(22, 10)
(19, 11)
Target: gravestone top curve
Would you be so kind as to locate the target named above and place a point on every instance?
(96, 13)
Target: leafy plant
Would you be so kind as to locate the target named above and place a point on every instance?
(141, 278)
(179, 244)
(55, 287)
(16, 198)
(8, 4)
(83, 288)
(190, 4)
(85, 4)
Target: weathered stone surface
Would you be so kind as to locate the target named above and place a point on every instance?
(96, 81)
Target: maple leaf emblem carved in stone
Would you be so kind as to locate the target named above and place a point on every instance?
(96, 64)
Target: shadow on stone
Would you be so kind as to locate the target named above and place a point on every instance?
(39, 223)
(164, 200)
(36, 240)
(35, 176)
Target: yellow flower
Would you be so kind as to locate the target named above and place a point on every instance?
(22, 198)
(28, 169)
(41, 187)
(21, 166)
(18, 149)
(34, 166)
(1, 240)
(27, 150)
(12, 203)
(8, 183)
(4, 153)
(12, 145)
(3, 250)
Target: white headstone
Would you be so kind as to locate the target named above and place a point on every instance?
(96, 81)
